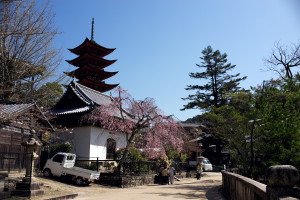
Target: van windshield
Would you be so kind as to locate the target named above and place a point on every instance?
(205, 161)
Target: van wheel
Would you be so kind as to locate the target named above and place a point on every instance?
(79, 181)
(47, 173)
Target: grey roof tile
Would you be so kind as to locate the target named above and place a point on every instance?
(8, 110)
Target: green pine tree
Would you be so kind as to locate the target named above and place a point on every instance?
(219, 82)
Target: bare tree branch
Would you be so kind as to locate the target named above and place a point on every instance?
(28, 58)
(288, 57)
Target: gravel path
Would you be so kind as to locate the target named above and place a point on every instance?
(209, 187)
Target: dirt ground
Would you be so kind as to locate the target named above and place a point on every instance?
(209, 187)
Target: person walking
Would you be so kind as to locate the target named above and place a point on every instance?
(199, 170)
(165, 176)
(172, 174)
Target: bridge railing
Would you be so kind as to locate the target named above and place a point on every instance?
(281, 184)
(239, 187)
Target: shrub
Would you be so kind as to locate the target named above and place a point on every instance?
(55, 148)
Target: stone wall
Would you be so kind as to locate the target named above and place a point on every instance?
(126, 180)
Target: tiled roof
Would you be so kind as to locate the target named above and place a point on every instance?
(90, 97)
(71, 110)
(9, 110)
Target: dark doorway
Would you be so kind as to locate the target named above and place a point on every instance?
(111, 148)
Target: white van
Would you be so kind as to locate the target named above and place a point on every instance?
(207, 166)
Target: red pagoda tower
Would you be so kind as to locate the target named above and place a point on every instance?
(90, 65)
(86, 93)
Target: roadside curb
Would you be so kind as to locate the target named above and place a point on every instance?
(69, 196)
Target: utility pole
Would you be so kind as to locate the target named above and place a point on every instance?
(252, 146)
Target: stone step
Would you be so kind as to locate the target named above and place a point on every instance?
(27, 186)
(4, 195)
(27, 193)
(3, 175)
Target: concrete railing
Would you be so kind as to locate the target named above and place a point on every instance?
(237, 187)
(281, 184)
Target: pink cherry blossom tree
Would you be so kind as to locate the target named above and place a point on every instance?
(143, 123)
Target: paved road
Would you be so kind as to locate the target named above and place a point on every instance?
(189, 188)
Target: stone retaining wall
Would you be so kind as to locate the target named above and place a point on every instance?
(126, 181)
(130, 180)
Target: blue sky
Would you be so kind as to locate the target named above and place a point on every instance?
(158, 42)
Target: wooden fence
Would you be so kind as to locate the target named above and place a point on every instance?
(14, 161)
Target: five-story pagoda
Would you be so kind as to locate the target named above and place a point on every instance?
(85, 92)
(85, 95)
(91, 64)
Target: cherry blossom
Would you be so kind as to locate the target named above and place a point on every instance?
(144, 124)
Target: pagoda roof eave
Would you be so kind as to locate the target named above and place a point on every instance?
(104, 51)
(82, 59)
(79, 73)
(101, 87)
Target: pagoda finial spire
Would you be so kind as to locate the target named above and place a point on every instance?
(92, 35)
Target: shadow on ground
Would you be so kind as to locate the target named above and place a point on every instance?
(192, 191)
(215, 193)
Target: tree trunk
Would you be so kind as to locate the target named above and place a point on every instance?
(126, 151)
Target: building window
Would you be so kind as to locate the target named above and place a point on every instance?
(111, 148)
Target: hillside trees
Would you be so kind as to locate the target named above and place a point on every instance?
(27, 55)
(261, 127)
(229, 123)
(215, 70)
(278, 106)
(144, 124)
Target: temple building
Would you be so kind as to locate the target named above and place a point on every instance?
(84, 94)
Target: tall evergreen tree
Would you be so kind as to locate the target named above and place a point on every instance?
(212, 94)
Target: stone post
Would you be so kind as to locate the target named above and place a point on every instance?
(31, 146)
(281, 181)
(29, 187)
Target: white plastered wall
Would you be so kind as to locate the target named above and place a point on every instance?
(91, 141)
(81, 143)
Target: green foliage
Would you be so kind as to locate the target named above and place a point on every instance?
(135, 162)
(55, 148)
(133, 155)
(175, 155)
(268, 116)
(49, 94)
(276, 135)
(228, 124)
(278, 105)
(219, 82)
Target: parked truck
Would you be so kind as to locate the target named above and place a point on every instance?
(62, 164)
